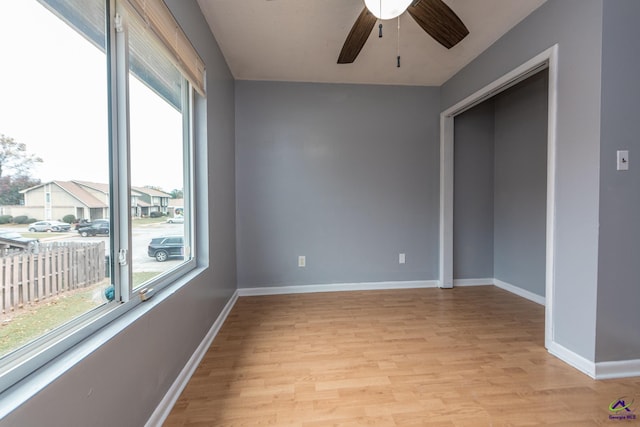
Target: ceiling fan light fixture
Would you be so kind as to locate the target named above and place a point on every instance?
(387, 9)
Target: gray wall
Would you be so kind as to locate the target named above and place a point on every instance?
(521, 184)
(346, 175)
(473, 193)
(618, 267)
(122, 382)
(500, 155)
(576, 26)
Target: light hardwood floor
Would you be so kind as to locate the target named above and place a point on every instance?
(423, 357)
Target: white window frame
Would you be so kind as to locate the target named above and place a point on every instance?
(17, 369)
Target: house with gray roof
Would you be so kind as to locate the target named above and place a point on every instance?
(149, 200)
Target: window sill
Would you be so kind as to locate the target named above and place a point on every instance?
(16, 395)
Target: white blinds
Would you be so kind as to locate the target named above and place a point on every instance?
(159, 19)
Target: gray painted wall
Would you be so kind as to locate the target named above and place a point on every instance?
(576, 26)
(500, 155)
(618, 267)
(122, 382)
(521, 184)
(473, 193)
(346, 175)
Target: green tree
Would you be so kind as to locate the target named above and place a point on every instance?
(10, 187)
(176, 194)
(14, 157)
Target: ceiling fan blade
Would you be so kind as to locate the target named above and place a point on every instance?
(357, 37)
(439, 21)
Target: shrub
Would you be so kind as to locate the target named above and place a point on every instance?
(21, 219)
(30, 220)
(69, 219)
(5, 219)
(155, 214)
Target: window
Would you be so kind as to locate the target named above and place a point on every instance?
(158, 107)
(97, 113)
(54, 107)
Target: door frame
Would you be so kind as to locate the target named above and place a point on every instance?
(545, 60)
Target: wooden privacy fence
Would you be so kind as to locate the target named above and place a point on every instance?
(50, 270)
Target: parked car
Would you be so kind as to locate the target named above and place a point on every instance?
(81, 223)
(178, 219)
(95, 229)
(163, 248)
(49, 226)
(12, 239)
(86, 223)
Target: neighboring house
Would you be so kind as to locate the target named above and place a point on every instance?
(96, 189)
(176, 207)
(55, 199)
(139, 208)
(150, 200)
(83, 199)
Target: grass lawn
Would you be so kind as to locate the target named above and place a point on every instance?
(142, 276)
(23, 325)
(148, 221)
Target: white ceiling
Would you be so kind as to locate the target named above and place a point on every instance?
(299, 40)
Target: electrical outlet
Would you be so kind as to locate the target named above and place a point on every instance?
(401, 258)
(302, 261)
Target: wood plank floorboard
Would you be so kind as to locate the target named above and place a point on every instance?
(460, 357)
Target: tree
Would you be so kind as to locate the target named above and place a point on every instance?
(14, 157)
(10, 187)
(176, 194)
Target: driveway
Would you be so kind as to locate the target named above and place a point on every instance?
(140, 239)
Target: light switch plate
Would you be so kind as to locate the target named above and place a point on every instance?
(623, 160)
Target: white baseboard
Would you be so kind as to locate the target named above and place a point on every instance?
(580, 363)
(474, 282)
(618, 369)
(163, 409)
(599, 370)
(337, 287)
(519, 291)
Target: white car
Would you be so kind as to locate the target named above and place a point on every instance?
(178, 219)
(49, 226)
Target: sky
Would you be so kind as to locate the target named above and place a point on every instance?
(53, 98)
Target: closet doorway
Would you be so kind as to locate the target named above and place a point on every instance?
(510, 193)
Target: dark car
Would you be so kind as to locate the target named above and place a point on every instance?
(81, 223)
(163, 248)
(95, 229)
(11, 239)
(86, 223)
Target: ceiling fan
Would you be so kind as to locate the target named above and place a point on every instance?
(434, 16)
